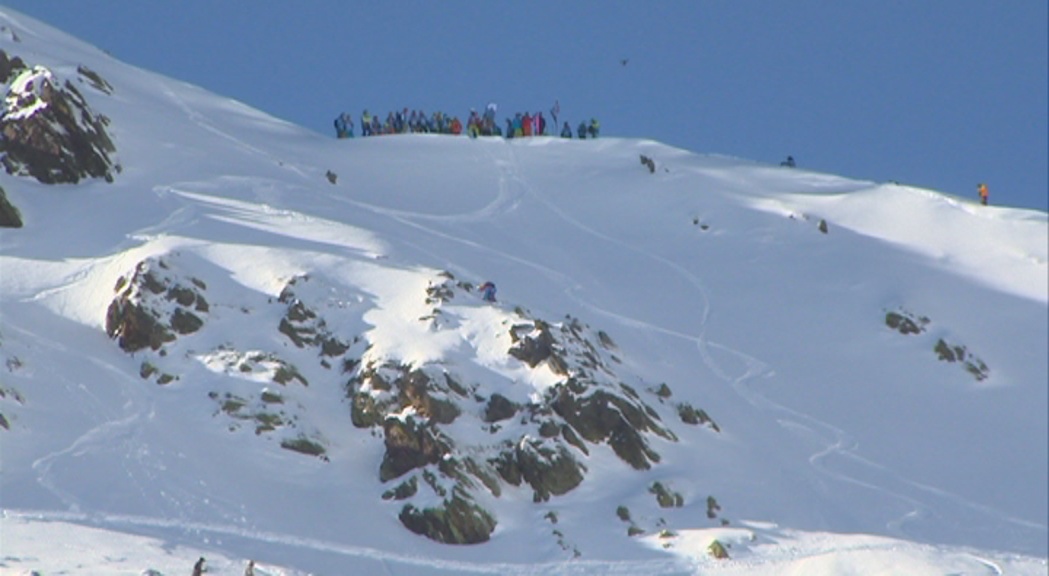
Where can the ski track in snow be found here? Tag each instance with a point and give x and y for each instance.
(199, 119)
(837, 441)
(993, 567)
(513, 189)
(209, 532)
(101, 436)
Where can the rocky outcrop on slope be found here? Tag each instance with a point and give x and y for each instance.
(908, 323)
(535, 441)
(9, 215)
(160, 309)
(154, 306)
(49, 131)
(456, 431)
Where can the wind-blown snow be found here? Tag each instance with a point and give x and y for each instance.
(845, 446)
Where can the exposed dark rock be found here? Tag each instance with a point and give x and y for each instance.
(364, 413)
(712, 507)
(152, 307)
(663, 391)
(457, 521)
(589, 406)
(499, 408)
(665, 497)
(717, 550)
(9, 66)
(648, 163)
(135, 327)
(93, 78)
(690, 415)
(417, 390)
(404, 490)
(905, 322)
(533, 344)
(603, 417)
(547, 470)
(185, 322)
(305, 327)
(49, 131)
(9, 215)
(409, 445)
(955, 353)
(305, 446)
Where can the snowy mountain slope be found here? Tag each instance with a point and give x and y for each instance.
(710, 275)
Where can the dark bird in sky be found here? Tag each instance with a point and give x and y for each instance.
(624, 61)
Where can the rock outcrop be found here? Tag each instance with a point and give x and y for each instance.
(154, 306)
(9, 215)
(455, 432)
(49, 131)
(537, 441)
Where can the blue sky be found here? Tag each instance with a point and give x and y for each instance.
(936, 93)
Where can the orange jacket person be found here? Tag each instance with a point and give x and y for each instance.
(982, 189)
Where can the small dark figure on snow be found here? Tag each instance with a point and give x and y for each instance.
(249, 570)
(581, 131)
(982, 191)
(566, 131)
(488, 292)
(198, 568)
(595, 127)
(789, 162)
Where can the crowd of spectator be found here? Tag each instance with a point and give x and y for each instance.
(522, 124)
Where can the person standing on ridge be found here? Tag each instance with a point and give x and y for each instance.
(566, 131)
(198, 568)
(340, 125)
(981, 189)
(366, 123)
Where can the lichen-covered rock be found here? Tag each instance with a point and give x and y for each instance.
(548, 469)
(49, 131)
(665, 497)
(456, 521)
